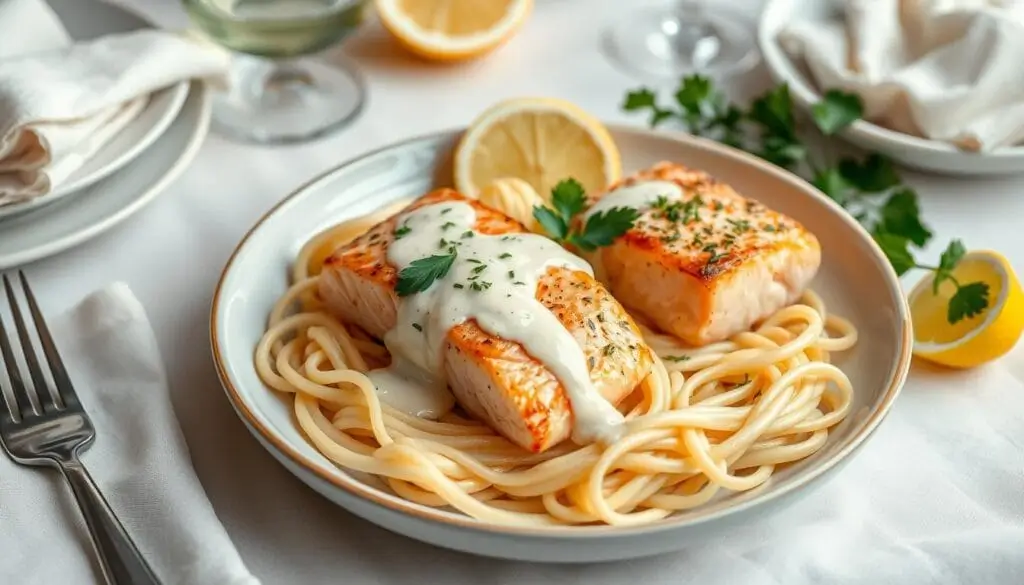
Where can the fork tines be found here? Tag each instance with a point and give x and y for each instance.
(35, 395)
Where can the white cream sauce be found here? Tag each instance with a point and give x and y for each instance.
(492, 280)
(404, 386)
(638, 196)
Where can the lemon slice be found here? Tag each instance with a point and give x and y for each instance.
(540, 141)
(975, 340)
(449, 30)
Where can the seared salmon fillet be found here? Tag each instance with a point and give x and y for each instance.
(710, 263)
(493, 379)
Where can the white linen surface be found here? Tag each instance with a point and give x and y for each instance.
(935, 497)
(60, 101)
(139, 460)
(949, 70)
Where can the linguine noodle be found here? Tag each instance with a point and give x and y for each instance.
(719, 417)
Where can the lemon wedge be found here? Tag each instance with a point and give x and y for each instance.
(452, 30)
(540, 141)
(976, 340)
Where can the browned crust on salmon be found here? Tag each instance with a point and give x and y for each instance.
(693, 255)
(617, 357)
(367, 255)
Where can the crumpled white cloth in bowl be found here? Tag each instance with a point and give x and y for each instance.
(946, 70)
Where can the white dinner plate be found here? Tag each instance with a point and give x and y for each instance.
(855, 280)
(912, 151)
(106, 203)
(87, 19)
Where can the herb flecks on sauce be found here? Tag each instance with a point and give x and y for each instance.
(491, 280)
(698, 220)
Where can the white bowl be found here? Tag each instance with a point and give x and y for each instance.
(912, 151)
(855, 280)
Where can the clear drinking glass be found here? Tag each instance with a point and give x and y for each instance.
(683, 37)
(279, 92)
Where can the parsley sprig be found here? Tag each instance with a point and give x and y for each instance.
(420, 274)
(869, 188)
(970, 299)
(568, 199)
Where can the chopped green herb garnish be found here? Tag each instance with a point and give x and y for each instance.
(417, 327)
(402, 231)
(669, 209)
(676, 358)
(691, 209)
(505, 256)
(740, 225)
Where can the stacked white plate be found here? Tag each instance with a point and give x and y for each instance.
(128, 172)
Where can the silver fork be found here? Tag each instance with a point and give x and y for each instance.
(55, 433)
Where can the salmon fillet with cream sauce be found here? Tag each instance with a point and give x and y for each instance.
(496, 380)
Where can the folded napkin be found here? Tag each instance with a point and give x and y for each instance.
(139, 460)
(61, 101)
(947, 70)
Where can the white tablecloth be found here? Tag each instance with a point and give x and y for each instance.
(172, 253)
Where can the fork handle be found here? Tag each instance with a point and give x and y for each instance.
(120, 561)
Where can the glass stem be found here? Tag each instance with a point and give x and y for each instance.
(270, 82)
(285, 73)
(695, 37)
(690, 11)
(692, 20)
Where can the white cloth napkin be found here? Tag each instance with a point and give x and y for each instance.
(139, 460)
(60, 101)
(947, 70)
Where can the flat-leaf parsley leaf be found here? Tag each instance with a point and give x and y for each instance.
(420, 274)
(901, 215)
(970, 300)
(568, 199)
(604, 227)
(836, 110)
